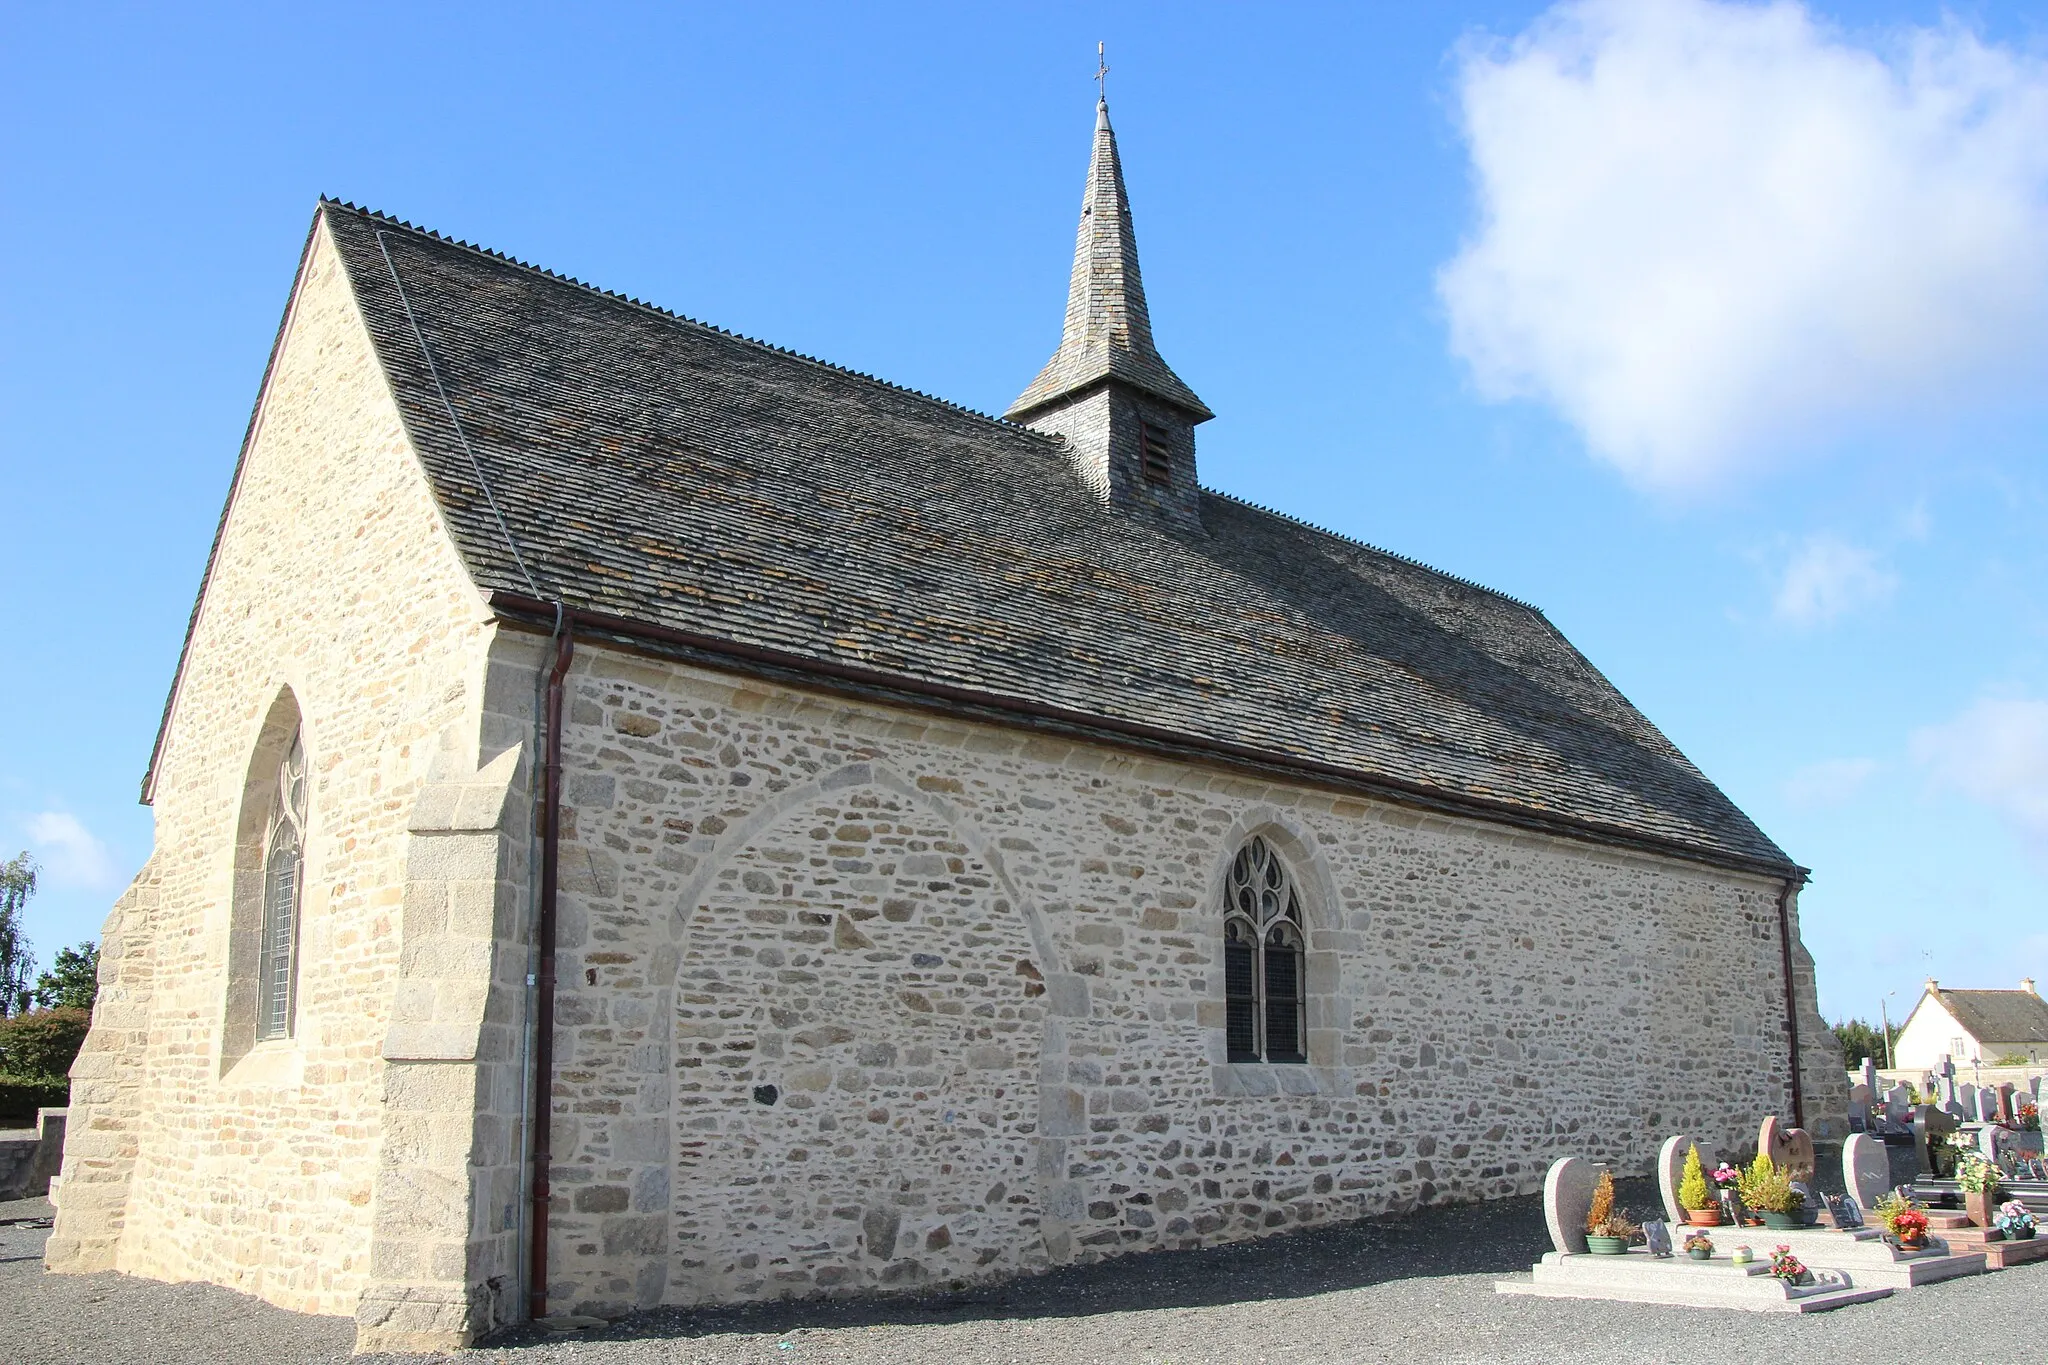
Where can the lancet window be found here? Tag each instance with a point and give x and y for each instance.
(1263, 958)
(284, 870)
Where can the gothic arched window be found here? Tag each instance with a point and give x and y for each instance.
(284, 868)
(1262, 959)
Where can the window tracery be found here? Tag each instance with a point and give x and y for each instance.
(1263, 958)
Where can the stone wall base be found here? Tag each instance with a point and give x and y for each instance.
(416, 1320)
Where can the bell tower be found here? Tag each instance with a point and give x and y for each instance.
(1127, 419)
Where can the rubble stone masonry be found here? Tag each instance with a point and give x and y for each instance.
(858, 999)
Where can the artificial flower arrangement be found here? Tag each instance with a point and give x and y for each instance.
(1726, 1177)
(1903, 1219)
(1788, 1267)
(1699, 1246)
(2029, 1118)
(2015, 1220)
(1975, 1175)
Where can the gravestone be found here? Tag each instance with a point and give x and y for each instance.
(1988, 1141)
(1866, 1169)
(1898, 1105)
(1567, 1198)
(1798, 1148)
(1966, 1101)
(1859, 1107)
(1770, 1139)
(2008, 1112)
(1929, 1126)
(1670, 1166)
(1869, 1076)
(1844, 1210)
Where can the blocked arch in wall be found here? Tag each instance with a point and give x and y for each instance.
(1326, 1009)
(909, 1230)
(240, 1010)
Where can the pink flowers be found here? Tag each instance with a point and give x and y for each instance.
(1786, 1266)
(1725, 1176)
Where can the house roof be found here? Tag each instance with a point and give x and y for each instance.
(1998, 1016)
(632, 464)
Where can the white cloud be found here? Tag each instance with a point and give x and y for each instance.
(70, 853)
(1711, 233)
(1829, 782)
(1997, 753)
(1828, 577)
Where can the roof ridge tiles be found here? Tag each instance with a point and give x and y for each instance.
(672, 315)
(1376, 549)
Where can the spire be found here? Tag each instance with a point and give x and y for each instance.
(1108, 333)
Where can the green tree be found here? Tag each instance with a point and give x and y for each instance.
(1860, 1040)
(74, 982)
(17, 960)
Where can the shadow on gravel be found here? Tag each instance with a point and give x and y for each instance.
(1497, 1237)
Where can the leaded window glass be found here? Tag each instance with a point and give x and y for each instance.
(284, 869)
(1262, 959)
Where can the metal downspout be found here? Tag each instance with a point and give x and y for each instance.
(536, 767)
(1791, 1001)
(544, 982)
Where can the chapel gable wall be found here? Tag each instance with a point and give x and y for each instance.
(215, 1155)
(865, 915)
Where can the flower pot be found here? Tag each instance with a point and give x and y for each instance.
(1780, 1220)
(2024, 1235)
(1703, 1218)
(1978, 1206)
(1700, 1254)
(1607, 1246)
(1912, 1241)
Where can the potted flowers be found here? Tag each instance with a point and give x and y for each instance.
(1608, 1232)
(1787, 1267)
(1741, 1256)
(1702, 1210)
(1978, 1180)
(2015, 1221)
(1903, 1220)
(1767, 1188)
(1699, 1246)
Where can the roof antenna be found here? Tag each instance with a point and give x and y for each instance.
(1101, 70)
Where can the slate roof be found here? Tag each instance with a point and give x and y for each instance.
(1108, 329)
(1999, 1016)
(659, 470)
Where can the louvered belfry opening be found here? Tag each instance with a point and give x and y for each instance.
(1263, 959)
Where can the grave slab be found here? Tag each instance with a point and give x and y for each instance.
(1681, 1282)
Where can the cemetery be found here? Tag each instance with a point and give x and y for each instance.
(1758, 1233)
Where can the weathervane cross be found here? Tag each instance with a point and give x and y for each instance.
(1101, 70)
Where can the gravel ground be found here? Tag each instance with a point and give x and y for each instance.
(1412, 1289)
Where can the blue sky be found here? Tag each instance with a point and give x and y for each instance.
(1718, 332)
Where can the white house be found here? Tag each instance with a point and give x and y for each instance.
(1973, 1026)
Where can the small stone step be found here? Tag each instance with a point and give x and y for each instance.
(2001, 1254)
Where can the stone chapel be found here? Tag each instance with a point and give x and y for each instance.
(644, 817)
